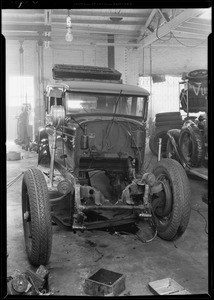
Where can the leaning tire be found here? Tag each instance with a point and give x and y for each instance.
(36, 215)
(173, 213)
(191, 145)
(170, 151)
(154, 141)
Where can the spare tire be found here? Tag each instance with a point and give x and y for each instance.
(197, 74)
(191, 144)
(154, 141)
(169, 123)
(173, 118)
(170, 113)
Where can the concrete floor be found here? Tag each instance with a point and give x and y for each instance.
(77, 256)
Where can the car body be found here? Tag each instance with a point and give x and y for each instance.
(90, 171)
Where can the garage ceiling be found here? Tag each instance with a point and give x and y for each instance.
(130, 27)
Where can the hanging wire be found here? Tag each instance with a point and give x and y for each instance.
(14, 180)
(173, 36)
(190, 46)
(156, 32)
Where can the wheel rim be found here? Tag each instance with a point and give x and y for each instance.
(187, 147)
(163, 205)
(27, 219)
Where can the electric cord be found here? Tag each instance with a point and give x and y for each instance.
(14, 180)
(76, 122)
(206, 223)
(190, 46)
(140, 238)
(156, 32)
(173, 36)
(135, 143)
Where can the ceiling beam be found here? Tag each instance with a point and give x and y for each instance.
(188, 35)
(195, 34)
(27, 37)
(22, 19)
(59, 13)
(196, 26)
(193, 30)
(148, 22)
(200, 21)
(22, 12)
(169, 26)
(101, 21)
(24, 28)
(96, 12)
(99, 44)
(97, 30)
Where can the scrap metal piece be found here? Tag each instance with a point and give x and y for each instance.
(42, 271)
(167, 286)
(36, 278)
(19, 284)
(105, 283)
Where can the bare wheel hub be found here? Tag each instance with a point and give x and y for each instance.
(164, 204)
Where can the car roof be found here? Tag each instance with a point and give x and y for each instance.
(100, 87)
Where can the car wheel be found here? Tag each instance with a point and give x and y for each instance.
(36, 216)
(191, 146)
(172, 207)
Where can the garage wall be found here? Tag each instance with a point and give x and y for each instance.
(131, 62)
(172, 60)
(87, 55)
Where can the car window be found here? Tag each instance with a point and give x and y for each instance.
(99, 103)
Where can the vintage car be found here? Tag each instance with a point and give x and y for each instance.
(90, 172)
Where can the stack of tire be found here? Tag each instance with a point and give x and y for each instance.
(164, 122)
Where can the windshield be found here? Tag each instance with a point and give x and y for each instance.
(102, 103)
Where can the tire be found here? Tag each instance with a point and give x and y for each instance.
(173, 213)
(168, 115)
(154, 141)
(197, 74)
(171, 118)
(37, 222)
(170, 123)
(191, 145)
(44, 155)
(170, 152)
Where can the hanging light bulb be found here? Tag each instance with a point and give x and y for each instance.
(69, 35)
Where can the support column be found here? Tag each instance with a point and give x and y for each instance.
(111, 62)
(39, 105)
(21, 57)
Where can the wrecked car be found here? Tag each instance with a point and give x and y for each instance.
(90, 172)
